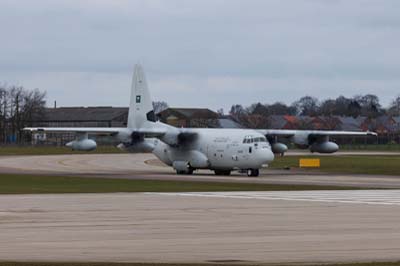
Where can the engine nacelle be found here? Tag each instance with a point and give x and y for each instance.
(198, 159)
(279, 148)
(181, 167)
(191, 160)
(139, 147)
(324, 147)
(82, 145)
(124, 135)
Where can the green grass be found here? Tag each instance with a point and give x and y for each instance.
(374, 165)
(370, 147)
(51, 150)
(31, 184)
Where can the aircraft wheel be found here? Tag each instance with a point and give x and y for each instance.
(186, 172)
(253, 172)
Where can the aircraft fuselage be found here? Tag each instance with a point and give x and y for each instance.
(218, 149)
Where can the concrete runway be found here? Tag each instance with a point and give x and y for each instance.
(146, 166)
(294, 227)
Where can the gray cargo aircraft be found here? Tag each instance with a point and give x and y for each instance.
(188, 149)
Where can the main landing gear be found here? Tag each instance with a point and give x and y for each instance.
(249, 172)
(253, 172)
(189, 171)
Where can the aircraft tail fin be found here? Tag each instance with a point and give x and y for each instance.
(141, 106)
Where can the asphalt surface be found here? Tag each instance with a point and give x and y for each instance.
(276, 227)
(248, 227)
(146, 166)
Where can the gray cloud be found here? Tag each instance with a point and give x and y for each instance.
(223, 52)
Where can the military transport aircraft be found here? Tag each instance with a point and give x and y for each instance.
(188, 149)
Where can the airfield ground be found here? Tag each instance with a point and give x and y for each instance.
(299, 222)
(39, 184)
(187, 264)
(147, 167)
(245, 227)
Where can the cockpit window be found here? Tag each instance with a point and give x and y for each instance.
(250, 139)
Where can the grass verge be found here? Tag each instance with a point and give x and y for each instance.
(370, 147)
(359, 164)
(32, 184)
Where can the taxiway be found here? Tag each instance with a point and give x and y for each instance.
(146, 166)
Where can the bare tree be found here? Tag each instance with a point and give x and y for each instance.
(3, 112)
(394, 108)
(237, 111)
(254, 121)
(370, 105)
(16, 98)
(159, 106)
(307, 105)
(279, 108)
(220, 112)
(18, 107)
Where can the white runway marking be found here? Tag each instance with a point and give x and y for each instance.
(378, 197)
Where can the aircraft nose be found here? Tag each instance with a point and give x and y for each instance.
(267, 156)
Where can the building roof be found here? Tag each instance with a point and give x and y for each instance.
(350, 123)
(190, 113)
(277, 121)
(101, 113)
(226, 122)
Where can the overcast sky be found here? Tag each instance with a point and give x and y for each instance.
(205, 53)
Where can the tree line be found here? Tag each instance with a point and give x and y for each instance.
(361, 105)
(18, 108)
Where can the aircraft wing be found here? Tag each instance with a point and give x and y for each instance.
(93, 130)
(97, 130)
(315, 140)
(315, 133)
